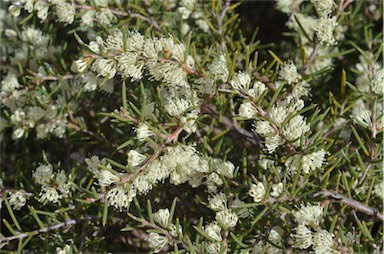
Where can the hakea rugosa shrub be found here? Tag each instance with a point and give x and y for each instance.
(157, 126)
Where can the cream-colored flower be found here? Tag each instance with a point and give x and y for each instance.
(257, 192)
(162, 217)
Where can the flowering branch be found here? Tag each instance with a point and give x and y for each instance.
(146, 223)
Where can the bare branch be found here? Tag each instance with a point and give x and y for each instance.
(351, 203)
(39, 231)
(250, 137)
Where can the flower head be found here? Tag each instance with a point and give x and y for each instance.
(288, 72)
(156, 241)
(143, 132)
(218, 202)
(227, 218)
(162, 217)
(324, 30)
(302, 237)
(219, 68)
(257, 192)
(323, 242)
(241, 82)
(18, 199)
(309, 215)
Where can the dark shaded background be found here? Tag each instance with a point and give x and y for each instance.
(262, 14)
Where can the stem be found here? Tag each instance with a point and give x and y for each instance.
(311, 58)
(250, 137)
(152, 21)
(42, 230)
(351, 203)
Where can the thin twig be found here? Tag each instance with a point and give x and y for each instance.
(311, 58)
(201, 139)
(42, 230)
(220, 20)
(39, 80)
(152, 21)
(351, 203)
(250, 137)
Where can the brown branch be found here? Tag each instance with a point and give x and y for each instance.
(35, 232)
(250, 137)
(351, 203)
(311, 58)
(152, 21)
(201, 139)
(220, 20)
(39, 80)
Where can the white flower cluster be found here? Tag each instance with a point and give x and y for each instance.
(241, 82)
(180, 163)
(370, 76)
(277, 189)
(225, 216)
(18, 199)
(130, 55)
(190, 9)
(213, 244)
(104, 176)
(121, 196)
(288, 6)
(323, 7)
(219, 68)
(320, 240)
(29, 105)
(65, 11)
(309, 215)
(278, 130)
(51, 183)
(157, 241)
(46, 120)
(162, 218)
(377, 83)
(308, 233)
(65, 250)
(378, 190)
(257, 192)
(308, 162)
(134, 158)
(182, 103)
(362, 115)
(325, 27)
(34, 47)
(289, 74)
(143, 132)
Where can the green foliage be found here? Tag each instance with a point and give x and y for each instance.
(159, 126)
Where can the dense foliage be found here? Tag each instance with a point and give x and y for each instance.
(135, 126)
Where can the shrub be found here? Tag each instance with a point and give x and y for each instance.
(160, 126)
